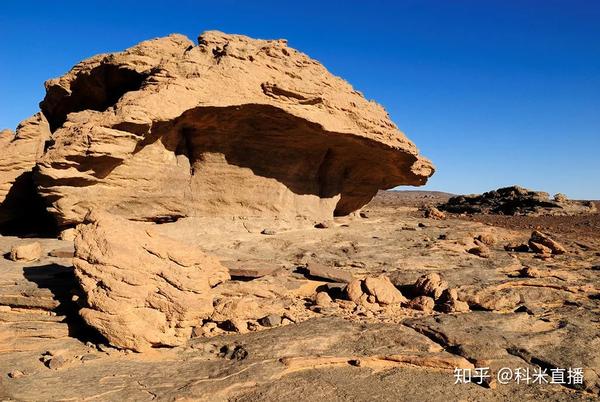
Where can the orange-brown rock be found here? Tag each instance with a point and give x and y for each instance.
(231, 126)
(546, 241)
(142, 289)
(19, 153)
(373, 290)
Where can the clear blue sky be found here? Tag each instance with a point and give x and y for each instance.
(494, 92)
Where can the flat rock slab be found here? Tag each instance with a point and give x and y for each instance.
(65, 252)
(311, 360)
(322, 271)
(251, 268)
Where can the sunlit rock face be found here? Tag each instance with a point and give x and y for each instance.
(231, 126)
(20, 206)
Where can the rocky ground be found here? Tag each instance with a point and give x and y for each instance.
(510, 309)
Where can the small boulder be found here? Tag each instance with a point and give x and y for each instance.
(371, 292)
(539, 248)
(272, 320)
(430, 285)
(56, 362)
(323, 299)
(323, 225)
(16, 374)
(530, 272)
(384, 290)
(26, 252)
(354, 291)
(450, 302)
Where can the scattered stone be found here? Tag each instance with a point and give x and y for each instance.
(56, 362)
(422, 225)
(486, 238)
(545, 240)
(16, 374)
(410, 228)
(5, 309)
(26, 252)
(481, 251)
(290, 316)
(430, 285)
(323, 225)
(530, 272)
(346, 304)
(322, 271)
(323, 299)
(102, 347)
(422, 303)
(233, 352)
(272, 320)
(434, 213)
(268, 232)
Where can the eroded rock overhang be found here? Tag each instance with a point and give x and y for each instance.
(232, 126)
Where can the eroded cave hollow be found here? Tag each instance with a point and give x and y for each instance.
(97, 89)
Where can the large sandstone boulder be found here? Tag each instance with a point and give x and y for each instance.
(141, 289)
(19, 152)
(231, 126)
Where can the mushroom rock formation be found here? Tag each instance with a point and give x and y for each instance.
(142, 289)
(18, 156)
(232, 126)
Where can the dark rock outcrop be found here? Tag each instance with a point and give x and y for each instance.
(516, 200)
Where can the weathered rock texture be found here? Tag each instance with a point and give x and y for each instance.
(516, 201)
(231, 126)
(142, 289)
(19, 153)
